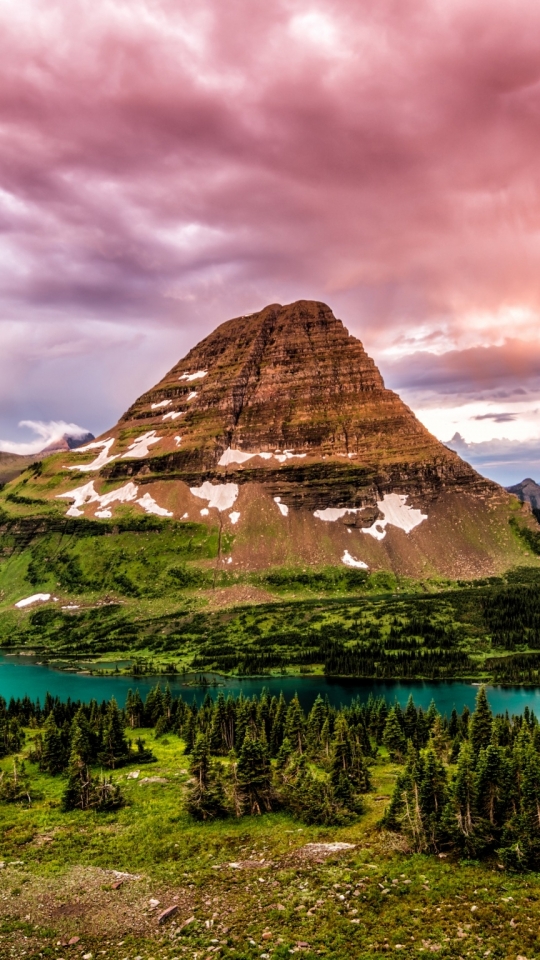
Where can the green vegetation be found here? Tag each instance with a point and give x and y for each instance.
(146, 589)
(269, 831)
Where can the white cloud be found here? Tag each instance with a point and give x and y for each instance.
(315, 27)
(482, 421)
(46, 433)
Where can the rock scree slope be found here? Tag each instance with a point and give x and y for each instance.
(279, 428)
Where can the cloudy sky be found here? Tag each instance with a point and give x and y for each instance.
(167, 165)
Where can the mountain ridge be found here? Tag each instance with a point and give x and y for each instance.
(278, 428)
(528, 491)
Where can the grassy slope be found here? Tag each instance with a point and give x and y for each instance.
(57, 884)
(144, 587)
(12, 465)
(146, 590)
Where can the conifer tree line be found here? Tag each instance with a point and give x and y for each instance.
(469, 782)
(474, 787)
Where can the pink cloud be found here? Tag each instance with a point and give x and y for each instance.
(165, 165)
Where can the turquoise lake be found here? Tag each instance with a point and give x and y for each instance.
(21, 676)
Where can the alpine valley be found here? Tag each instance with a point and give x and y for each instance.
(268, 504)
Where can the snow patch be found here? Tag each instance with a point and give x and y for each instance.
(377, 531)
(88, 494)
(173, 415)
(101, 460)
(191, 396)
(80, 496)
(162, 403)
(219, 495)
(35, 598)
(351, 562)
(178, 441)
(139, 447)
(331, 514)
(204, 512)
(149, 505)
(240, 456)
(234, 456)
(229, 559)
(193, 376)
(126, 494)
(283, 508)
(234, 517)
(397, 513)
(95, 445)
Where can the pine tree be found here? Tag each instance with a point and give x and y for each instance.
(405, 809)
(433, 795)
(480, 723)
(284, 754)
(347, 759)
(114, 749)
(15, 786)
(253, 776)
(278, 725)
(189, 730)
(409, 720)
(134, 709)
(167, 702)
(493, 784)
(263, 715)
(218, 730)
(107, 794)
(161, 727)
(530, 791)
(11, 737)
(314, 726)
(431, 714)
(53, 754)
(153, 705)
(393, 737)
(141, 754)
(206, 797)
(438, 739)
(454, 725)
(241, 722)
(78, 793)
(462, 823)
(326, 738)
(81, 737)
(295, 724)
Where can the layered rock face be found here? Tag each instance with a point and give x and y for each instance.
(291, 387)
(277, 430)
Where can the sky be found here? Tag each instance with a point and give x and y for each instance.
(165, 166)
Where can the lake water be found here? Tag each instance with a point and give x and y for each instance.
(20, 676)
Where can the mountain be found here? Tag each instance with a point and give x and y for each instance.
(13, 464)
(527, 491)
(277, 431)
(66, 442)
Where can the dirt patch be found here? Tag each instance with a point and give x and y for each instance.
(70, 910)
(320, 851)
(236, 595)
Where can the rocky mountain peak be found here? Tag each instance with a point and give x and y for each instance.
(277, 430)
(288, 378)
(528, 491)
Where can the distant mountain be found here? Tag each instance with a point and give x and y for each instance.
(277, 432)
(13, 464)
(66, 442)
(528, 492)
